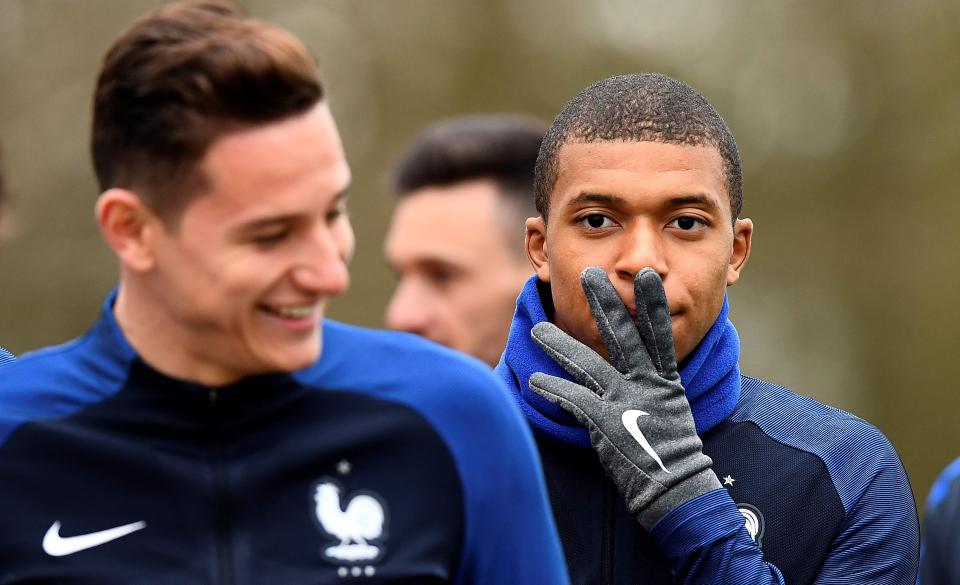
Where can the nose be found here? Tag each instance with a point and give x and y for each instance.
(407, 310)
(322, 267)
(642, 246)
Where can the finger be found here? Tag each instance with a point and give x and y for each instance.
(653, 321)
(584, 364)
(572, 397)
(617, 329)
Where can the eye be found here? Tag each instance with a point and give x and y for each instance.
(440, 277)
(267, 239)
(596, 221)
(687, 223)
(337, 212)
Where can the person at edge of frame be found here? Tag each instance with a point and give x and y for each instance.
(5, 356)
(212, 426)
(622, 342)
(939, 563)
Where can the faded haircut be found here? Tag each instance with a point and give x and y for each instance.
(645, 107)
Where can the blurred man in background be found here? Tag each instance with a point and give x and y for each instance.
(212, 426)
(622, 342)
(5, 356)
(456, 238)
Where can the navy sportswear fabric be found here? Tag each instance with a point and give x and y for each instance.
(811, 494)
(391, 460)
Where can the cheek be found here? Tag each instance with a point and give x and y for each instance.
(572, 313)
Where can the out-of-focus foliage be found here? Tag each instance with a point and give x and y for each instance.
(846, 113)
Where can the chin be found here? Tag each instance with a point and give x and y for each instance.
(293, 358)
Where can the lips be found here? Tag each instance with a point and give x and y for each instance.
(292, 311)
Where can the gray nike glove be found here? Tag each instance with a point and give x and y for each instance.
(636, 409)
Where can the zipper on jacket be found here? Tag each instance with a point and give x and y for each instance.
(221, 513)
(606, 536)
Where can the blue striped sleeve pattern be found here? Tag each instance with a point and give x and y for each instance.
(878, 542)
(705, 537)
(5, 356)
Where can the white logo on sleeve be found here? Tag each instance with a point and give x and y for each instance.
(753, 522)
(60, 546)
(629, 419)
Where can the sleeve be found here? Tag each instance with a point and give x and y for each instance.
(510, 533)
(879, 541)
(877, 544)
(706, 542)
(941, 531)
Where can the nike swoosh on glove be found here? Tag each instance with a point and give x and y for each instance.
(635, 409)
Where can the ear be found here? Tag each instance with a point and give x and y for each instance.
(535, 242)
(742, 238)
(128, 225)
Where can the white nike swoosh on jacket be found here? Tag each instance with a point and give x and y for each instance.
(59, 546)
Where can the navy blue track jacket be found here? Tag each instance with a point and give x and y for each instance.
(811, 494)
(390, 461)
(820, 492)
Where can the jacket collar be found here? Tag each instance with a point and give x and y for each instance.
(710, 375)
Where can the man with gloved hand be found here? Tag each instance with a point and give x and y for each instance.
(622, 342)
(656, 474)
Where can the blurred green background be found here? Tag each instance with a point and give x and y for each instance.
(846, 114)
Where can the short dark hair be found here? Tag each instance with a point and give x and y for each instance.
(180, 78)
(500, 147)
(645, 107)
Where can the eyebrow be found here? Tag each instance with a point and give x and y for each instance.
(596, 198)
(693, 199)
(678, 201)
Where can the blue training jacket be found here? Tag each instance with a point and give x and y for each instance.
(389, 461)
(812, 494)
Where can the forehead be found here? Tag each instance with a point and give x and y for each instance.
(460, 222)
(297, 162)
(639, 168)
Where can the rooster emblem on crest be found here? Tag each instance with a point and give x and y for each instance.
(356, 523)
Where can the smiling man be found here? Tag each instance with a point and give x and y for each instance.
(622, 342)
(212, 426)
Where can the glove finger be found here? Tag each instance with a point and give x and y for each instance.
(570, 396)
(653, 321)
(616, 326)
(581, 362)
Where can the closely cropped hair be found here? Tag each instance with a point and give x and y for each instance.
(180, 78)
(501, 147)
(647, 107)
